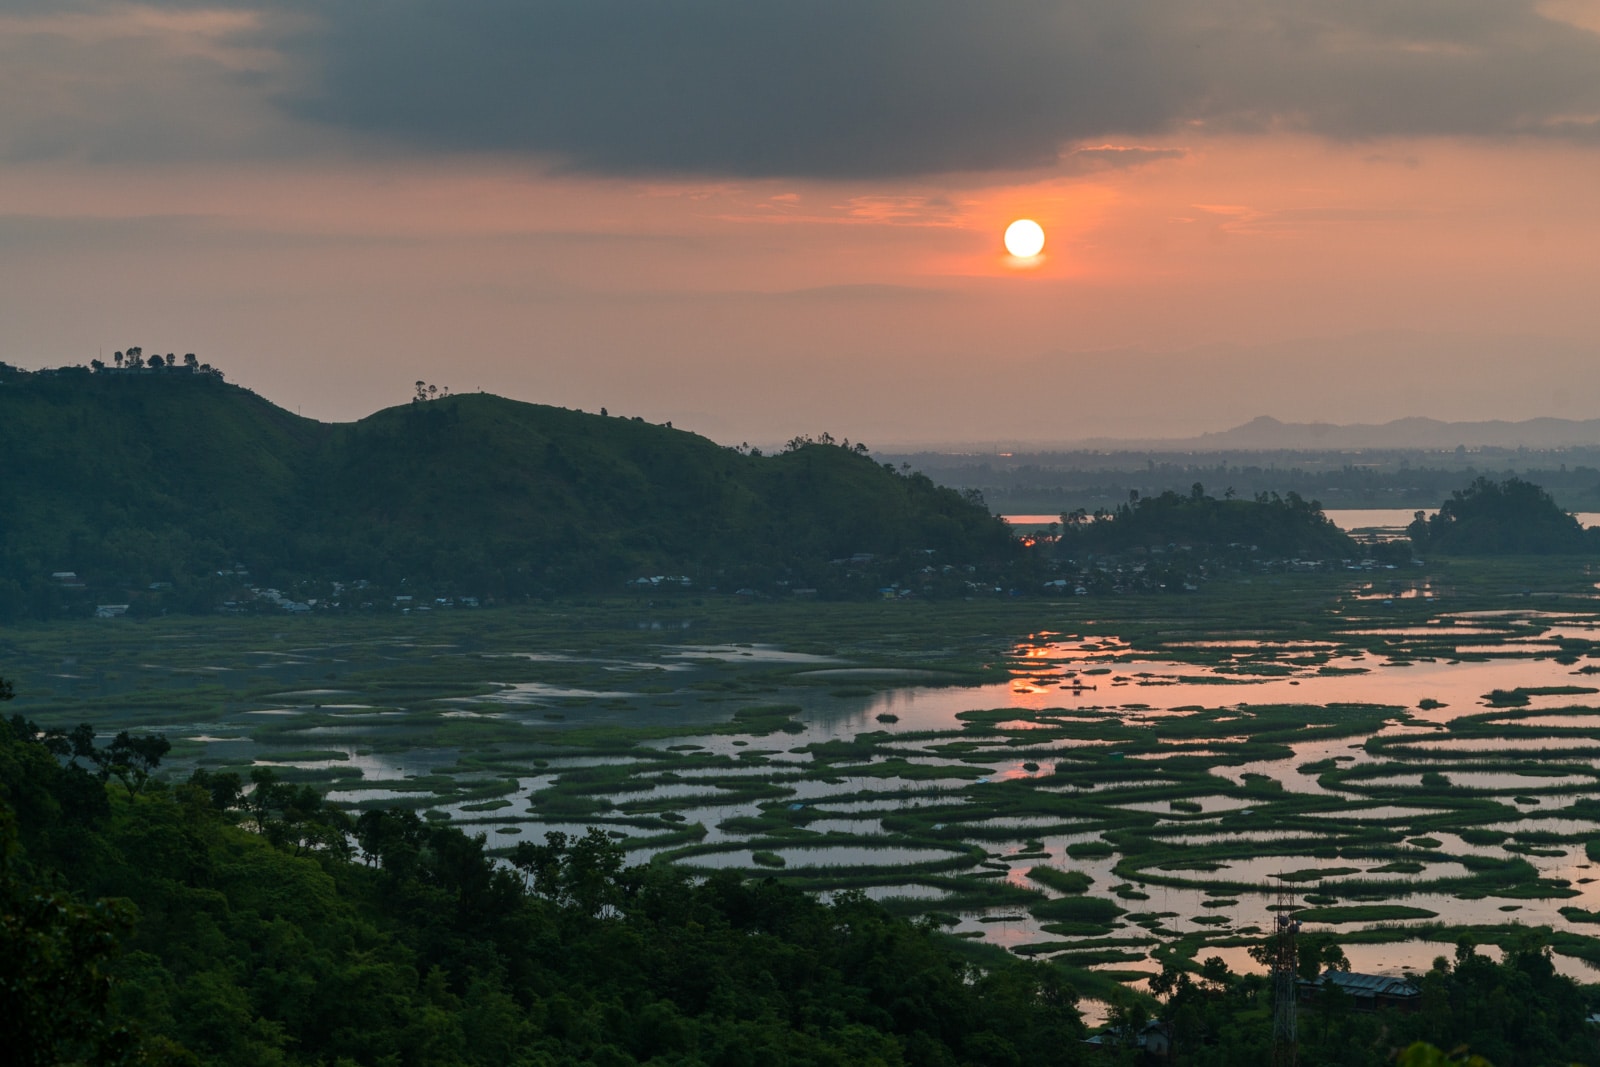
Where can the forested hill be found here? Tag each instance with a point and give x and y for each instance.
(1278, 526)
(165, 476)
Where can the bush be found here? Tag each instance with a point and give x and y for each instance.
(1061, 881)
(1096, 910)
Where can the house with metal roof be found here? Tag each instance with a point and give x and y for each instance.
(1368, 992)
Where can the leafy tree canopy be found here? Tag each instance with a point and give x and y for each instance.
(1500, 518)
(1288, 526)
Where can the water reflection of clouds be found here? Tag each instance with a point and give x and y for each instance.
(1477, 746)
(1166, 687)
(745, 653)
(823, 856)
(1483, 781)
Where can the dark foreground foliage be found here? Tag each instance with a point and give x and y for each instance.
(216, 945)
(1514, 1013)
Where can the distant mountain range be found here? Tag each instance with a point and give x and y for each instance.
(1269, 434)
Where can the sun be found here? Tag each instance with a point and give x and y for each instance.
(1024, 238)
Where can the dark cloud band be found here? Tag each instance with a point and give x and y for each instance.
(828, 88)
(813, 88)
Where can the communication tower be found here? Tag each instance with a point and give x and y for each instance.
(1285, 978)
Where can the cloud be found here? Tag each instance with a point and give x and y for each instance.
(1366, 69)
(42, 233)
(1114, 156)
(863, 292)
(833, 89)
(119, 82)
(880, 88)
(824, 88)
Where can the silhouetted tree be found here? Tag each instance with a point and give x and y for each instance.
(1486, 517)
(225, 788)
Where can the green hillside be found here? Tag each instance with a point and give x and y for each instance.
(137, 479)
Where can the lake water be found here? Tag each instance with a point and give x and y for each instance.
(1347, 519)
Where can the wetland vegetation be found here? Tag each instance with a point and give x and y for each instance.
(1112, 793)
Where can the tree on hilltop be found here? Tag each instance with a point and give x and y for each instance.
(1499, 518)
(1289, 525)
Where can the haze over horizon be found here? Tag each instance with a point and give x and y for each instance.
(759, 221)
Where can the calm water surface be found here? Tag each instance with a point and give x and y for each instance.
(1346, 519)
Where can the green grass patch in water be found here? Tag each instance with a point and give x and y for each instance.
(1364, 913)
(1061, 881)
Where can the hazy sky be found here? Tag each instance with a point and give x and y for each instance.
(758, 218)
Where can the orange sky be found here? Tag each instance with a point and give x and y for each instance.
(1219, 274)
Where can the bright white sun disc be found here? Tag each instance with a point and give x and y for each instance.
(1024, 238)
